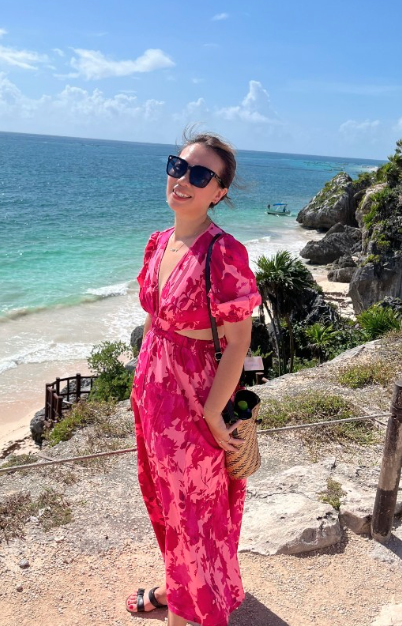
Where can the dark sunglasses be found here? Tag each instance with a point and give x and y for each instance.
(200, 176)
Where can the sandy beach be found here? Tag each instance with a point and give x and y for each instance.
(31, 378)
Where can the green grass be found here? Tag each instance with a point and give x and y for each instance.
(51, 509)
(314, 406)
(19, 459)
(358, 375)
(333, 494)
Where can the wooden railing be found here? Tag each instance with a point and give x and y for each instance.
(57, 399)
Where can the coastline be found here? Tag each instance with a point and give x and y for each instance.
(15, 434)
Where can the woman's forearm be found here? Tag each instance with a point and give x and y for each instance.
(225, 381)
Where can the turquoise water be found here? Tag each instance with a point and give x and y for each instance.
(75, 214)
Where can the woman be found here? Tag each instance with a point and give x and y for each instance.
(179, 392)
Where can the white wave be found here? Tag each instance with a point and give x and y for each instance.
(46, 352)
(120, 289)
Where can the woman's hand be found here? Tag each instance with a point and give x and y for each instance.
(222, 433)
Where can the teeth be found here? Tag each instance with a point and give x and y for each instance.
(181, 195)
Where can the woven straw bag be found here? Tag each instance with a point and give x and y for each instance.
(246, 460)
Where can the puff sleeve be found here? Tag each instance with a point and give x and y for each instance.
(148, 253)
(233, 292)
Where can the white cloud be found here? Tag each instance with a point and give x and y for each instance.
(93, 65)
(398, 126)
(220, 16)
(351, 129)
(193, 112)
(2, 32)
(24, 59)
(59, 52)
(255, 107)
(197, 81)
(74, 105)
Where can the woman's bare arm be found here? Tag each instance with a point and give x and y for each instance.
(238, 336)
(147, 325)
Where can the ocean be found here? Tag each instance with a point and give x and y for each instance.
(75, 215)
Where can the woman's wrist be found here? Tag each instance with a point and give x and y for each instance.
(212, 416)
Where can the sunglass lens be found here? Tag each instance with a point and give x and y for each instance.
(176, 167)
(200, 176)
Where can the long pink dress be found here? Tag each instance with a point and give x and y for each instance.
(194, 507)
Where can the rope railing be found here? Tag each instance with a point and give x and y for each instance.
(40, 465)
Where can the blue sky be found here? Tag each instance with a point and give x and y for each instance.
(286, 76)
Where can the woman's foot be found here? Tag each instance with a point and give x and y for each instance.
(144, 600)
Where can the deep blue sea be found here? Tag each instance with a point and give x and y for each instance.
(75, 215)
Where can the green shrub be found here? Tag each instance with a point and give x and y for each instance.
(82, 414)
(114, 380)
(378, 320)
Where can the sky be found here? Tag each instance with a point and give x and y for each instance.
(311, 77)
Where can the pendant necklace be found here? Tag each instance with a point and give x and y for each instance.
(176, 249)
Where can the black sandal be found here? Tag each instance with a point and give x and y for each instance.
(141, 604)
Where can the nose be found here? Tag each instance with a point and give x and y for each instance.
(186, 176)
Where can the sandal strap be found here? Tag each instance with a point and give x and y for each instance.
(140, 600)
(154, 601)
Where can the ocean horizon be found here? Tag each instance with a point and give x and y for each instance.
(75, 215)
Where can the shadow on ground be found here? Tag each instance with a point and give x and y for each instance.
(253, 612)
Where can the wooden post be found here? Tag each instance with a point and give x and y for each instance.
(388, 483)
(59, 406)
(77, 387)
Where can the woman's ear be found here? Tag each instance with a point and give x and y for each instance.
(220, 194)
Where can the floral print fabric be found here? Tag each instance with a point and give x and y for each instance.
(194, 507)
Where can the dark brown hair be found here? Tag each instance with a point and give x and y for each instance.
(222, 148)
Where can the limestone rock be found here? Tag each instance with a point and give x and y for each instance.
(391, 615)
(288, 524)
(334, 203)
(337, 242)
(342, 269)
(136, 337)
(370, 283)
(364, 208)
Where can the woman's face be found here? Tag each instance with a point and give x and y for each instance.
(188, 200)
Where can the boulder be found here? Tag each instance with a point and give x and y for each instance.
(334, 203)
(337, 242)
(37, 426)
(372, 283)
(288, 524)
(136, 337)
(342, 269)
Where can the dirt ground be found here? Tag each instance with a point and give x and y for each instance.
(343, 586)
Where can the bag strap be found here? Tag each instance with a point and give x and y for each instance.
(215, 336)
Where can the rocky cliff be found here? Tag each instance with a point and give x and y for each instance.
(372, 250)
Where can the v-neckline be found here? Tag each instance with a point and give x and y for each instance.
(179, 262)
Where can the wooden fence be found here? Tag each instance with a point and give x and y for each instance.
(57, 399)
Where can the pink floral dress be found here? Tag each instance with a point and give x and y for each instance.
(194, 507)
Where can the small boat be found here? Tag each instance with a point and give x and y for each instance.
(279, 208)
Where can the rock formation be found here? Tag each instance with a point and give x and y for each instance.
(334, 203)
(339, 240)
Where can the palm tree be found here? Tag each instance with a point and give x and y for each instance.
(320, 337)
(281, 280)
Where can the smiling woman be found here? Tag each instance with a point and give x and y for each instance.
(179, 392)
